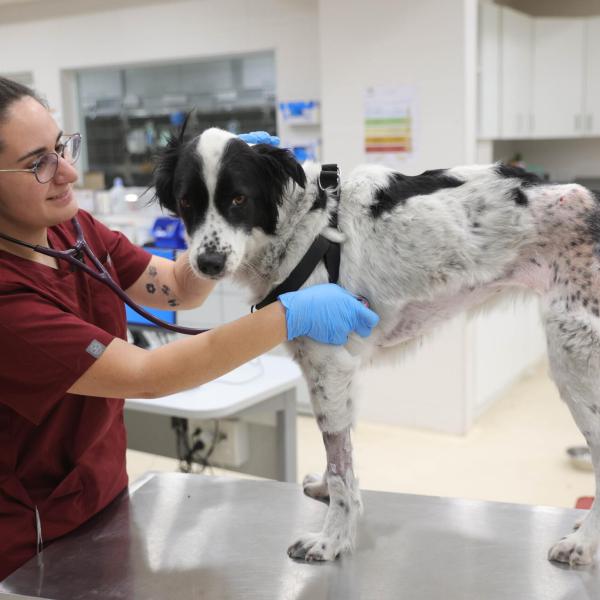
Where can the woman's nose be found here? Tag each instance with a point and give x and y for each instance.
(65, 171)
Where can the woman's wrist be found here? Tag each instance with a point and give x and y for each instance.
(192, 289)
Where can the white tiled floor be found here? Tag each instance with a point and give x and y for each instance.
(515, 453)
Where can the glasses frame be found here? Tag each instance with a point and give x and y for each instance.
(63, 141)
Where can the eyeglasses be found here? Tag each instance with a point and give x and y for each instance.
(44, 168)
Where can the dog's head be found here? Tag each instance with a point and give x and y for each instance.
(224, 191)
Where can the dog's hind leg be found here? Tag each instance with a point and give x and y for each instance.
(329, 373)
(574, 353)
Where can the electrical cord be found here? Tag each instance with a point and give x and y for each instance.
(190, 455)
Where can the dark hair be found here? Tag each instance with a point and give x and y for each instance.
(11, 91)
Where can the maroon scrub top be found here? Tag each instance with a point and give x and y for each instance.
(62, 454)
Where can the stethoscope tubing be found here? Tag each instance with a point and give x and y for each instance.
(74, 257)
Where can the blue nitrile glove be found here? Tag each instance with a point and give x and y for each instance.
(259, 137)
(326, 313)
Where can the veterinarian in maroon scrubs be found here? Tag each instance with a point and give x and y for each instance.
(64, 364)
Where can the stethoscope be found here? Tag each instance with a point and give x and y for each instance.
(74, 256)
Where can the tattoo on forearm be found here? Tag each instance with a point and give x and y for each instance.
(153, 286)
(171, 300)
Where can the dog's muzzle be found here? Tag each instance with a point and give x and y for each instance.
(211, 263)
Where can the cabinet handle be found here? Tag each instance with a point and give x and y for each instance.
(531, 123)
(577, 122)
(589, 122)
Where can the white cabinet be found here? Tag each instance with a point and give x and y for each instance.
(539, 77)
(515, 74)
(558, 77)
(487, 71)
(591, 119)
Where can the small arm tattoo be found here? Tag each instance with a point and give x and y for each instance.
(153, 286)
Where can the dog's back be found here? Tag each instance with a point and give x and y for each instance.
(422, 248)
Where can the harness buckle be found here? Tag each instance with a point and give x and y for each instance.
(329, 170)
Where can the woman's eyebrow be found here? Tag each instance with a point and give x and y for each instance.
(39, 150)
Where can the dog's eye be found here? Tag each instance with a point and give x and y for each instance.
(238, 200)
(184, 203)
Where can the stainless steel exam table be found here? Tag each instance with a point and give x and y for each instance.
(190, 536)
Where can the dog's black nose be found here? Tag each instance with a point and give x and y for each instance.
(211, 263)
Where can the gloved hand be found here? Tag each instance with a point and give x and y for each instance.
(326, 313)
(259, 137)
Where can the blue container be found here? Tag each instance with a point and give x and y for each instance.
(168, 232)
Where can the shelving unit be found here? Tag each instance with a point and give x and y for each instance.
(128, 114)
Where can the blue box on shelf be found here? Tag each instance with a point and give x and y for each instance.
(168, 232)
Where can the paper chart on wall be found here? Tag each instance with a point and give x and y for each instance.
(390, 124)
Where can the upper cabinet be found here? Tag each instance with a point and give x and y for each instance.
(538, 77)
(515, 73)
(488, 84)
(591, 105)
(558, 76)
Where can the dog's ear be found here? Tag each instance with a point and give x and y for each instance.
(164, 174)
(164, 169)
(281, 164)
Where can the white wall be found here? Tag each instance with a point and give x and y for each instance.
(172, 31)
(422, 44)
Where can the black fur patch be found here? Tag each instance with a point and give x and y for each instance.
(260, 173)
(320, 201)
(402, 187)
(519, 197)
(592, 221)
(190, 191)
(510, 172)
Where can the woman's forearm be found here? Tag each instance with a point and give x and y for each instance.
(126, 371)
(193, 361)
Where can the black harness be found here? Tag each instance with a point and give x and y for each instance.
(320, 249)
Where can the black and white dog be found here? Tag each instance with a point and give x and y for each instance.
(420, 248)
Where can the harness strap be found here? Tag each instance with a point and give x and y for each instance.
(320, 249)
(316, 252)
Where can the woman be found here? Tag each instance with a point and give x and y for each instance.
(64, 361)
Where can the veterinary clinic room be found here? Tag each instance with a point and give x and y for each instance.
(299, 299)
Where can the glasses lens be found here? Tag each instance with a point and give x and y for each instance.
(46, 167)
(72, 148)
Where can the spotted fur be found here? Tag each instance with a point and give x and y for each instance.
(420, 249)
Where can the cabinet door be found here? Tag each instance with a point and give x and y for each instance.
(592, 87)
(558, 67)
(515, 56)
(489, 71)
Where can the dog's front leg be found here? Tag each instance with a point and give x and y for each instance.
(339, 530)
(329, 373)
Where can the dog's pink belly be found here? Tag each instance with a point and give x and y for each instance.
(418, 318)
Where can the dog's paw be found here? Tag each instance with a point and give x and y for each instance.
(317, 547)
(315, 486)
(573, 550)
